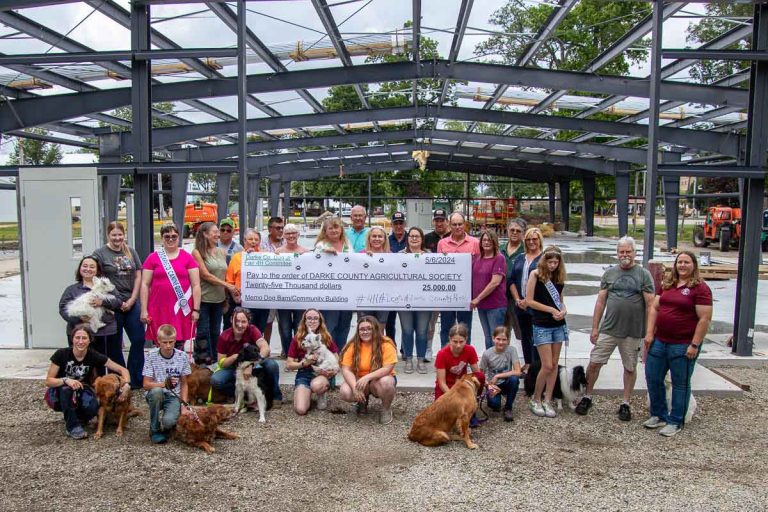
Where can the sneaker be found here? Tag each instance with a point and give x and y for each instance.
(536, 408)
(408, 365)
(508, 415)
(583, 406)
(322, 402)
(624, 413)
(428, 355)
(421, 367)
(159, 437)
(654, 422)
(669, 430)
(386, 416)
(77, 433)
(361, 408)
(548, 410)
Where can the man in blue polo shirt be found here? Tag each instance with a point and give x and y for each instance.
(357, 232)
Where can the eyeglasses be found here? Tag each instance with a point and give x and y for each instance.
(461, 225)
(225, 230)
(170, 237)
(312, 318)
(414, 236)
(515, 230)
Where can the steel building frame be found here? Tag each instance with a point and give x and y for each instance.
(222, 146)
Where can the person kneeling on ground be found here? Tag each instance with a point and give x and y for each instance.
(307, 380)
(368, 367)
(501, 365)
(165, 380)
(452, 362)
(231, 342)
(69, 378)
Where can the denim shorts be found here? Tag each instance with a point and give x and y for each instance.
(546, 335)
(304, 377)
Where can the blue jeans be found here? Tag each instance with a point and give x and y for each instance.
(209, 325)
(158, 400)
(414, 324)
(525, 321)
(259, 318)
(449, 318)
(381, 316)
(287, 323)
(224, 378)
(548, 335)
(131, 323)
(509, 389)
(110, 346)
(338, 324)
(663, 357)
(392, 324)
(79, 412)
(491, 319)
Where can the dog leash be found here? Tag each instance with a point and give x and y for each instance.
(480, 401)
(185, 404)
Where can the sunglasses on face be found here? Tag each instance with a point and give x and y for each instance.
(170, 237)
(515, 230)
(225, 230)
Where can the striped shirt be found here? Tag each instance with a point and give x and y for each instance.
(158, 367)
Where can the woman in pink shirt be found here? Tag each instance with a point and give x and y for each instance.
(489, 284)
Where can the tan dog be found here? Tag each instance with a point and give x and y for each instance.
(201, 428)
(453, 410)
(108, 391)
(199, 386)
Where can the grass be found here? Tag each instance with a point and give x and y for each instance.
(638, 232)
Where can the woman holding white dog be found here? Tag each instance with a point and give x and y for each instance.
(122, 266)
(104, 341)
(544, 295)
(307, 380)
(368, 367)
(677, 324)
(170, 287)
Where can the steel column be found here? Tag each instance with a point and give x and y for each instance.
(109, 152)
(223, 179)
(622, 202)
(179, 183)
(565, 203)
(551, 186)
(274, 197)
(141, 126)
(254, 202)
(242, 117)
(750, 254)
(588, 183)
(653, 133)
(671, 208)
(286, 200)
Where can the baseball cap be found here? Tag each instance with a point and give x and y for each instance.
(398, 217)
(227, 222)
(439, 214)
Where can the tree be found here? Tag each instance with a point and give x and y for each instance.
(35, 152)
(721, 17)
(589, 29)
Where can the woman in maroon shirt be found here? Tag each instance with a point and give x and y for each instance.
(677, 324)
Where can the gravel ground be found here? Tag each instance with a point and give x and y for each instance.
(345, 462)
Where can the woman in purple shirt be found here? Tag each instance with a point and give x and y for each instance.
(489, 283)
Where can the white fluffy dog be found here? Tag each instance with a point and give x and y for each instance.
(82, 306)
(313, 346)
(692, 406)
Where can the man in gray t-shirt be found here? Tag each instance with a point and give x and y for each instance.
(626, 295)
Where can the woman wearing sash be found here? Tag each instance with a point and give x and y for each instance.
(170, 288)
(544, 296)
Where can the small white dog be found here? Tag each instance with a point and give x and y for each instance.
(256, 389)
(313, 346)
(692, 405)
(82, 306)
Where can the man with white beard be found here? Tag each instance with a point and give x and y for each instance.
(626, 297)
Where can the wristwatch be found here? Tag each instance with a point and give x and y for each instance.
(695, 346)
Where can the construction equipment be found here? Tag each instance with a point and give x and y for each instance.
(722, 226)
(494, 212)
(195, 214)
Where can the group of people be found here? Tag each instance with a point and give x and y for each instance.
(517, 287)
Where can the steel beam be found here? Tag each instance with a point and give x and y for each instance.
(242, 119)
(552, 200)
(671, 186)
(750, 254)
(588, 184)
(274, 197)
(699, 54)
(416, 27)
(223, 181)
(712, 171)
(35, 111)
(286, 199)
(179, 182)
(458, 36)
(622, 202)
(565, 203)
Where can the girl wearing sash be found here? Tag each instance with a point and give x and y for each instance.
(170, 288)
(544, 295)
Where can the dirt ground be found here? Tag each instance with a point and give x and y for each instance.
(344, 462)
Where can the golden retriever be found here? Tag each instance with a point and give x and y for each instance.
(108, 391)
(199, 386)
(201, 428)
(453, 410)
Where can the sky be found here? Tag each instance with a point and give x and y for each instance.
(277, 22)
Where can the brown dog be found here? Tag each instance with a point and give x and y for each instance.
(108, 391)
(199, 386)
(201, 428)
(433, 425)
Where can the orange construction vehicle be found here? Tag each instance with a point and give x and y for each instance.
(722, 226)
(494, 212)
(195, 214)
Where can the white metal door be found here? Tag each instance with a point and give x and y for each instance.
(59, 225)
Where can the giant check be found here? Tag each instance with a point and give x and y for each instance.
(357, 281)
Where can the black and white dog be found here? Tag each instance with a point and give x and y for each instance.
(570, 386)
(258, 387)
